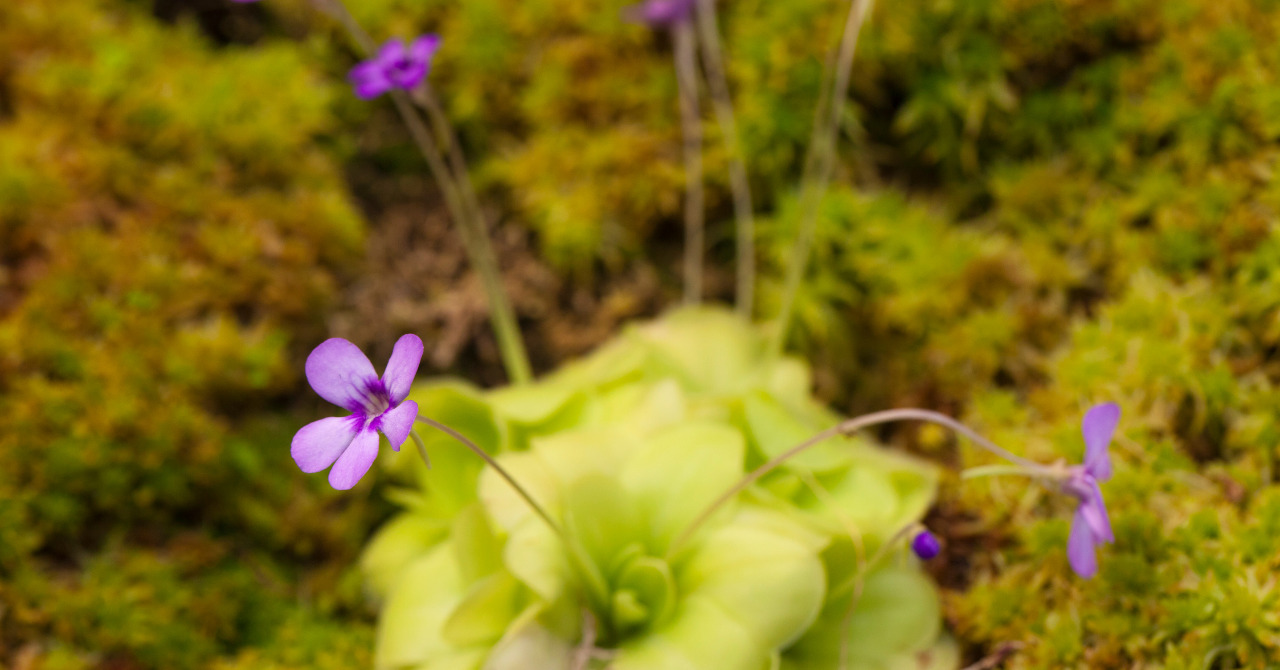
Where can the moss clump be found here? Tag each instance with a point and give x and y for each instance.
(167, 223)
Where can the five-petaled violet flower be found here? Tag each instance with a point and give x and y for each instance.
(661, 13)
(340, 373)
(394, 66)
(1091, 526)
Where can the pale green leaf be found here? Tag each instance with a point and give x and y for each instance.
(678, 472)
(744, 564)
(397, 544)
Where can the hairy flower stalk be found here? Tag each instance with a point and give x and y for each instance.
(459, 198)
(819, 163)
(848, 427)
(676, 16)
(502, 472)
(691, 130)
(504, 320)
(722, 103)
(594, 581)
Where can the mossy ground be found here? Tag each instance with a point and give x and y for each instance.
(1040, 205)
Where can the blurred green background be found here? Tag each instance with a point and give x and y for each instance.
(1039, 205)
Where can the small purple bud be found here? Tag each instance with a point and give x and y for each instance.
(925, 545)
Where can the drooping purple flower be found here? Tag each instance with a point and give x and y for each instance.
(925, 545)
(394, 66)
(1091, 525)
(660, 13)
(341, 373)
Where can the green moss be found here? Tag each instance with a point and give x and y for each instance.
(172, 223)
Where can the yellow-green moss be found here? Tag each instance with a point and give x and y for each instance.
(1042, 205)
(168, 222)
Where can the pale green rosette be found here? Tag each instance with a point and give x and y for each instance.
(625, 449)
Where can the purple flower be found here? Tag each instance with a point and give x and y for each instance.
(394, 66)
(343, 375)
(660, 13)
(925, 545)
(1091, 525)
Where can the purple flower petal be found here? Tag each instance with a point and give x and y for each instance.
(390, 52)
(355, 461)
(397, 422)
(1095, 514)
(407, 74)
(1080, 547)
(424, 48)
(318, 444)
(368, 80)
(411, 68)
(1098, 426)
(341, 373)
(402, 367)
(660, 13)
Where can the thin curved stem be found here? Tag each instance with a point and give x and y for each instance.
(595, 582)
(422, 448)
(818, 166)
(353, 27)
(722, 103)
(996, 471)
(502, 472)
(846, 623)
(691, 131)
(851, 426)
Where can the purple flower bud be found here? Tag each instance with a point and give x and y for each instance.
(925, 545)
